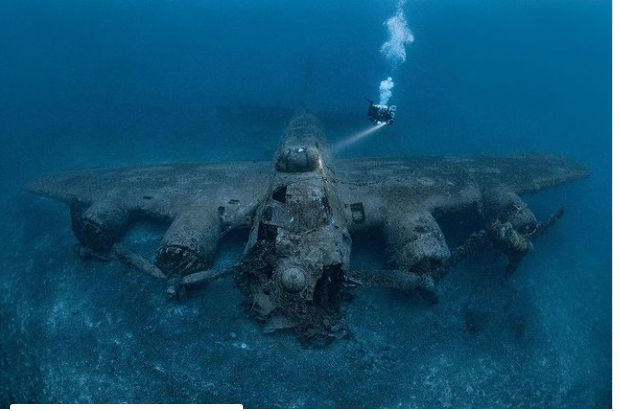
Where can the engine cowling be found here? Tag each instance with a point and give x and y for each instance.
(190, 242)
(415, 242)
(507, 207)
(100, 225)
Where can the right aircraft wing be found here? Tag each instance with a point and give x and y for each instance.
(443, 184)
(401, 197)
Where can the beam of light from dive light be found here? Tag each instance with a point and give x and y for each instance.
(341, 145)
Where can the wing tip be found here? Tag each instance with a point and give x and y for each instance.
(47, 187)
(36, 186)
(578, 171)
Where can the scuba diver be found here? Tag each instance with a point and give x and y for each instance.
(380, 114)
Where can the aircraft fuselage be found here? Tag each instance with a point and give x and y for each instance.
(299, 247)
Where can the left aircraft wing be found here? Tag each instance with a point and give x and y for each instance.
(200, 201)
(165, 191)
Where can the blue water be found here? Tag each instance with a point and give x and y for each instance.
(116, 83)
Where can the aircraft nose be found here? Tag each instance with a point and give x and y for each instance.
(293, 279)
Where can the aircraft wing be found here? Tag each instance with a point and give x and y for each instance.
(165, 191)
(444, 184)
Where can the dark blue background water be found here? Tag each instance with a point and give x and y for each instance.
(110, 83)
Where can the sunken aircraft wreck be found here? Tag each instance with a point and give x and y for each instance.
(301, 210)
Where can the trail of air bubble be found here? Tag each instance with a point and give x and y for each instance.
(394, 48)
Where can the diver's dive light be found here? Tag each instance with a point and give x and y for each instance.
(381, 114)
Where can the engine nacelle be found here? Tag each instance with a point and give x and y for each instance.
(415, 242)
(507, 207)
(101, 225)
(190, 243)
